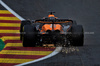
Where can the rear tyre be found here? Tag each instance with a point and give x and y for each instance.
(29, 38)
(25, 22)
(77, 37)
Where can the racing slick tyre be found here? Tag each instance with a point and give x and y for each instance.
(29, 37)
(77, 35)
(24, 22)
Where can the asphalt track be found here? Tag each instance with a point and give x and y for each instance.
(85, 12)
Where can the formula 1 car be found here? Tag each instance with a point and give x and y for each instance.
(51, 30)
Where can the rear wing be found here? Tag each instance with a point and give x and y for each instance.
(55, 21)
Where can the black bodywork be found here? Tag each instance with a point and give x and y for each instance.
(31, 36)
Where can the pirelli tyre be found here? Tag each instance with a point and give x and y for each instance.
(24, 22)
(29, 37)
(77, 37)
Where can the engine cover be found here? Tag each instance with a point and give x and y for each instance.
(51, 27)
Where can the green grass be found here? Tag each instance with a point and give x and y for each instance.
(2, 44)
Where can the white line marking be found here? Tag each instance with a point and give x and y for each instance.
(9, 9)
(56, 51)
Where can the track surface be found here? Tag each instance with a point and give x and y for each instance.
(85, 12)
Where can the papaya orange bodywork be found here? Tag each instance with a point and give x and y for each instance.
(49, 27)
(51, 15)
